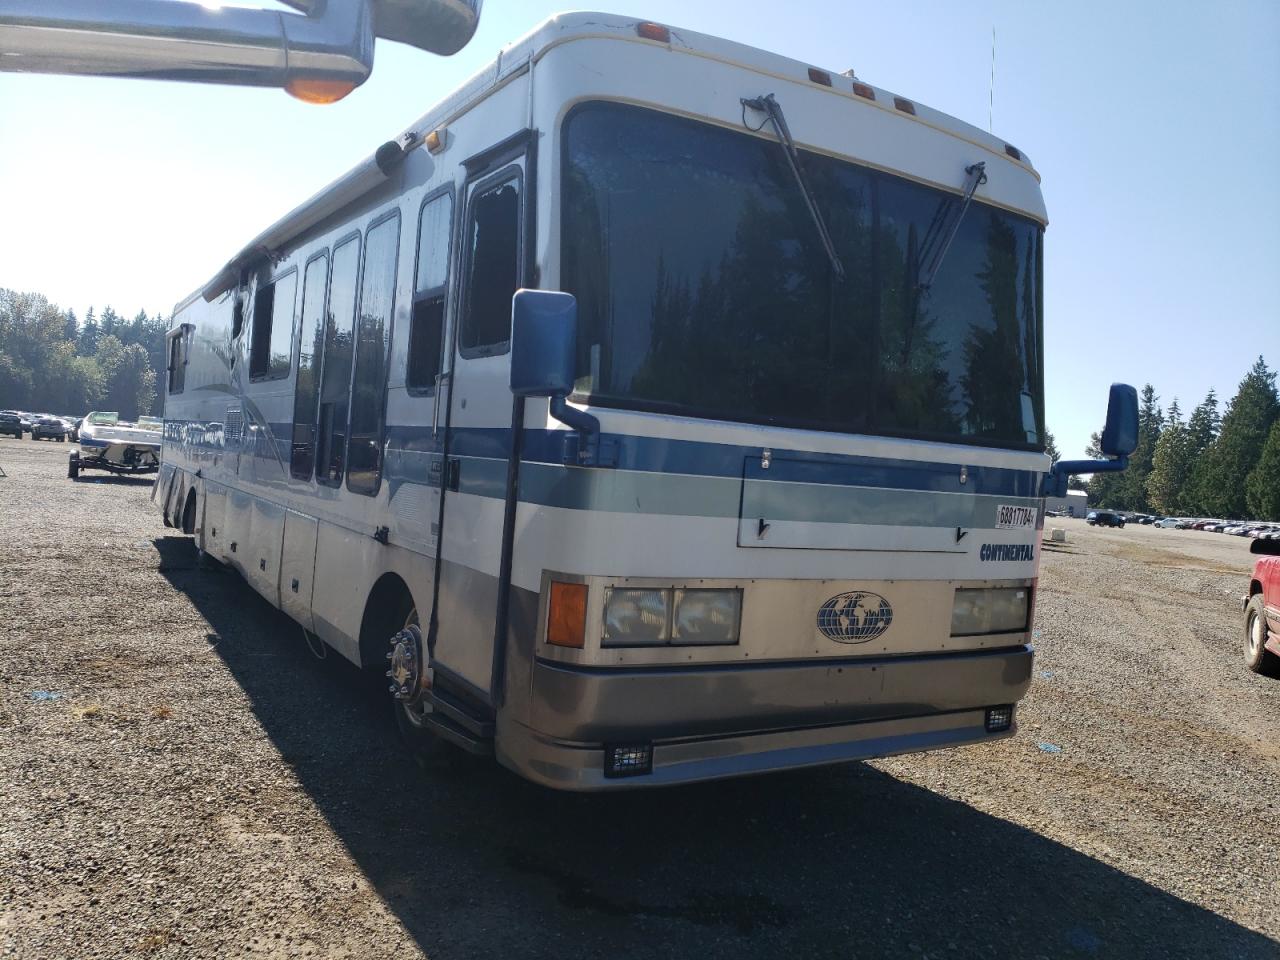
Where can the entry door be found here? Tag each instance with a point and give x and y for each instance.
(494, 240)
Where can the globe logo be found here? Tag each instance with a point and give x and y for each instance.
(855, 617)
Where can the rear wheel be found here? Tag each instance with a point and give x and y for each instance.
(1256, 655)
(73, 466)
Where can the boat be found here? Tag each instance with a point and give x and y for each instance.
(117, 446)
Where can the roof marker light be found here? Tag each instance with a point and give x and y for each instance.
(653, 31)
(435, 140)
(905, 105)
(862, 90)
(820, 76)
(1013, 151)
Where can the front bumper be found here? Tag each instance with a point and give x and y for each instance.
(710, 722)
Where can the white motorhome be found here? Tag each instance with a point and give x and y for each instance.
(781, 507)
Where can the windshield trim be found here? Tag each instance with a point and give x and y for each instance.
(788, 423)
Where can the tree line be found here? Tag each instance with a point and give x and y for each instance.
(1224, 465)
(51, 361)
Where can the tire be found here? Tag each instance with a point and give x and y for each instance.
(429, 751)
(1256, 656)
(189, 515)
(73, 466)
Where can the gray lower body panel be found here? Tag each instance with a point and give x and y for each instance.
(711, 722)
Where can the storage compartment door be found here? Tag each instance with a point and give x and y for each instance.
(298, 567)
(266, 535)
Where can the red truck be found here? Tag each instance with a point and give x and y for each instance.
(1262, 610)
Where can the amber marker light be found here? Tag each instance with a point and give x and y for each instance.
(905, 105)
(567, 615)
(435, 140)
(319, 91)
(862, 90)
(653, 31)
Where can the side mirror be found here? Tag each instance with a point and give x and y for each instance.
(544, 336)
(1120, 435)
(320, 54)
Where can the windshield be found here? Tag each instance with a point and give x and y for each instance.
(703, 288)
(104, 419)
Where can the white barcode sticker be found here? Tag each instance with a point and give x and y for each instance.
(1015, 518)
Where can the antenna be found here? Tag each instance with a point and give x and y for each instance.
(991, 90)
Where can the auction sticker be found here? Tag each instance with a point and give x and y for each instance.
(1015, 518)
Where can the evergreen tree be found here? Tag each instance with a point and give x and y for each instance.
(1205, 422)
(1171, 465)
(109, 323)
(71, 327)
(1131, 486)
(88, 342)
(1105, 489)
(1230, 458)
(1262, 488)
(1051, 447)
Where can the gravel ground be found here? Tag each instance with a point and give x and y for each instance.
(179, 777)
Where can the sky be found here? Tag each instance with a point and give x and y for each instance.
(1154, 125)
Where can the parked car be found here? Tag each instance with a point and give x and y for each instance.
(1104, 518)
(11, 424)
(1171, 523)
(1262, 610)
(44, 427)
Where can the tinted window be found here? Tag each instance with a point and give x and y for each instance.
(310, 352)
(177, 362)
(426, 332)
(368, 386)
(269, 350)
(335, 377)
(703, 288)
(493, 270)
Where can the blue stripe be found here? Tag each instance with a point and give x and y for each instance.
(705, 459)
(700, 458)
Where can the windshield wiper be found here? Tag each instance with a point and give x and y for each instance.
(975, 176)
(769, 106)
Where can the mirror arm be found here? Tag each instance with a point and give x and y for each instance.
(584, 447)
(1055, 481)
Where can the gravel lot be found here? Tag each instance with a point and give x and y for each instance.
(179, 777)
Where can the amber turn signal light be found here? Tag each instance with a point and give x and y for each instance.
(567, 615)
(319, 91)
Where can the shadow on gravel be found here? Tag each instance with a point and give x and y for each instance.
(845, 862)
(112, 479)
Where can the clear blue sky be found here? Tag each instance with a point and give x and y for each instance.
(1155, 127)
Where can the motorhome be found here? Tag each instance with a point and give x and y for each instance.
(653, 409)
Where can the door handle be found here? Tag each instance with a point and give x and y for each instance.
(441, 379)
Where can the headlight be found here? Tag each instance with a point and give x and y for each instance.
(707, 616)
(636, 618)
(686, 617)
(989, 610)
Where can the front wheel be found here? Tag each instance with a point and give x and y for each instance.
(1256, 655)
(410, 673)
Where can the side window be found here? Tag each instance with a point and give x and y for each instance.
(272, 339)
(335, 377)
(177, 361)
(373, 329)
(310, 352)
(493, 269)
(426, 328)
